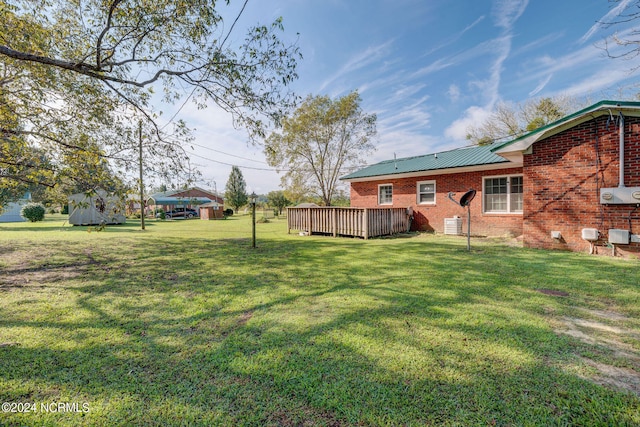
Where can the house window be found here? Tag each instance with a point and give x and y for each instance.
(427, 192)
(503, 194)
(385, 194)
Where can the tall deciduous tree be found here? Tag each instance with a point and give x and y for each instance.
(235, 194)
(511, 121)
(320, 141)
(91, 68)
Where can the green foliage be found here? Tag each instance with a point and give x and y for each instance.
(227, 212)
(33, 212)
(545, 111)
(235, 194)
(72, 85)
(278, 201)
(320, 142)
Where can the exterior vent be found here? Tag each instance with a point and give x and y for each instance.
(590, 234)
(619, 237)
(453, 226)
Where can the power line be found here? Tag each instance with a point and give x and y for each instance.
(241, 167)
(348, 168)
(227, 154)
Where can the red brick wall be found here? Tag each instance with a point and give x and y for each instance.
(562, 177)
(431, 217)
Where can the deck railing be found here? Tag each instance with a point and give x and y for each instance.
(339, 221)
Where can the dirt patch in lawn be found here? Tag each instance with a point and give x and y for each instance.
(553, 292)
(29, 268)
(607, 336)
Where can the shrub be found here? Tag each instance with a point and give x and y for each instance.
(33, 212)
(65, 209)
(228, 212)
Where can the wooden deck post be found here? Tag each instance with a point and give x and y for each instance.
(309, 221)
(365, 223)
(334, 219)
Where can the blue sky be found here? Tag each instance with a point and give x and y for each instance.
(428, 69)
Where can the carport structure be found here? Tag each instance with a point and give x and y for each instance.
(167, 202)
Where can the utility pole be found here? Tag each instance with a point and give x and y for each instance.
(141, 183)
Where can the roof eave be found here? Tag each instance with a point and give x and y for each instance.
(433, 172)
(523, 143)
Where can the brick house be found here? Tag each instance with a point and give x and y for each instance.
(189, 198)
(548, 185)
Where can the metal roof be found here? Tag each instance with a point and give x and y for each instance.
(525, 141)
(477, 155)
(164, 200)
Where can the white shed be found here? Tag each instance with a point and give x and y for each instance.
(11, 212)
(95, 208)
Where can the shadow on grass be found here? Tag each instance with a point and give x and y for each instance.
(310, 332)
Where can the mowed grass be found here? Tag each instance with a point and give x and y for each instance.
(186, 324)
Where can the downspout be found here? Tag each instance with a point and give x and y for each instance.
(621, 131)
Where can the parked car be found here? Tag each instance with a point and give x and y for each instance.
(179, 213)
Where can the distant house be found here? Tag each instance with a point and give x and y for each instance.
(573, 184)
(189, 198)
(95, 208)
(11, 212)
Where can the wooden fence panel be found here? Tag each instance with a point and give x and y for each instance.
(340, 221)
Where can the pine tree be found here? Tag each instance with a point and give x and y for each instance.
(235, 192)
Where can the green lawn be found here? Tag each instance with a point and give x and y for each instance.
(186, 324)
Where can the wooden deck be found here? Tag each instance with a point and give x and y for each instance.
(358, 222)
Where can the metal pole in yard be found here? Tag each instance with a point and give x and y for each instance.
(253, 219)
(469, 227)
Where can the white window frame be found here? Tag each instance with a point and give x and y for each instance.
(418, 193)
(508, 211)
(379, 198)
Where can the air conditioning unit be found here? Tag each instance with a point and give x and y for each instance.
(619, 237)
(590, 234)
(453, 226)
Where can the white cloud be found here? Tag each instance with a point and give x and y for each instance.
(541, 86)
(456, 37)
(473, 116)
(359, 61)
(602, 80)
(435, 66)
(507, 12)
(405, 144)
(225, 146)
(454, 92)
(607, 18)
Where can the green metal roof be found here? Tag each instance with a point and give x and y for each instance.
(457, 158)
(165, 200)
(602, 107)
